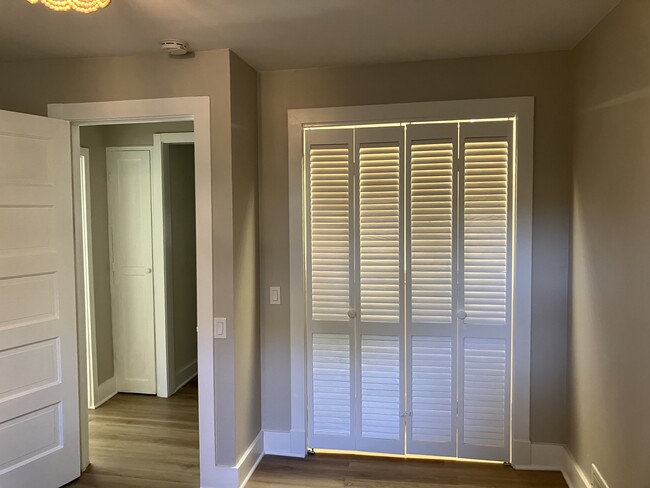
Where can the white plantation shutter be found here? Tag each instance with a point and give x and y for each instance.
(380, 326)
(331, 334)
(409, 288)
(484, 265)
(430, 298)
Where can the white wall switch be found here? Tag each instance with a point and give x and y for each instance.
(219, 328)
(275, 295)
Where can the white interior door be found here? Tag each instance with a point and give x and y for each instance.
(129, 211)
(39, 406)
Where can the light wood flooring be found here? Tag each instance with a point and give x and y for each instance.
(139, 441)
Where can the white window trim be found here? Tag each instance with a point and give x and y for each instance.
(159, 110)
(520, 107)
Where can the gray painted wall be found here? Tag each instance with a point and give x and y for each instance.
(93, 138)
(609, 364)
(182, 275)
(547, 77)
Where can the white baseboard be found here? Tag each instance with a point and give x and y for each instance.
(555, 457)
(573, 474)
(237, 476)
(184, 376)
(291, 444)
(104, 392)
(250, 459)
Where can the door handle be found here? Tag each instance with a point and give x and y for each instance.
(352, 313)
(147, 270)
(461, 314)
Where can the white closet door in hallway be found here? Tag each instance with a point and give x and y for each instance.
(129, 210)
(408, 283)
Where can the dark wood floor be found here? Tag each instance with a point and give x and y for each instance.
(139, 441)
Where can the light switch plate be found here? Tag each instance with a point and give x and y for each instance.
(275, 295)
(219, 328)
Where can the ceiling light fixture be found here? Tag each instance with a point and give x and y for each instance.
(83, 6)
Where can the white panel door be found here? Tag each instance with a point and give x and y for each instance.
(39, 407)
(129, 212)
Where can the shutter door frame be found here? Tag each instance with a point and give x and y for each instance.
(486, 335)
(431, 332)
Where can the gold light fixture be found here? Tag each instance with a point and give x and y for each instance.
(83, 6)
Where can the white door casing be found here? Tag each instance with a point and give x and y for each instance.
(520, 109)
(130, 247)
(39, 415)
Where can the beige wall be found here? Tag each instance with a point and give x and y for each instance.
(246, 223)
(182, 292)
(547, 77)
(28, 86)
(609, 364)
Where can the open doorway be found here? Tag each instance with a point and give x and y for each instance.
(139, 246)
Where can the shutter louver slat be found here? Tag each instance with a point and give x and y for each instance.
(330, 232)
(432, 377)
(484, 382)
(380, 387)
(485, 233)
(379, 233)
(431, 231)
(331, 385)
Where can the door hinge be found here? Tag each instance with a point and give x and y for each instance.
(406, 414)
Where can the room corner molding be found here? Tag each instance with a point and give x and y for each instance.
(282, 443)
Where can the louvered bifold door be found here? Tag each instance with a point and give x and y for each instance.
(332, 369)
(484, 313)
(379, 291)
(431, 162)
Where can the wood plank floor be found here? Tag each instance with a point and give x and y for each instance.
(142, 441)
(329, 471)
(139, 441)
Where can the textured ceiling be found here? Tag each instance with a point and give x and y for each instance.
(276, 34)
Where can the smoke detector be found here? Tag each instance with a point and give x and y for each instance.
(174, 47)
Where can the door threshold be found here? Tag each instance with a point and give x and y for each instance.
(315, 451)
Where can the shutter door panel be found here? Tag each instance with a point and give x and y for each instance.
(379, 232)
(430, 297)
(485, 290)
(431, 230)
(379, 293)
(330, 231)
(331, 353)
(485, 231)
(380, 387)
(484, 389)
(331, 380)
(432, 403)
